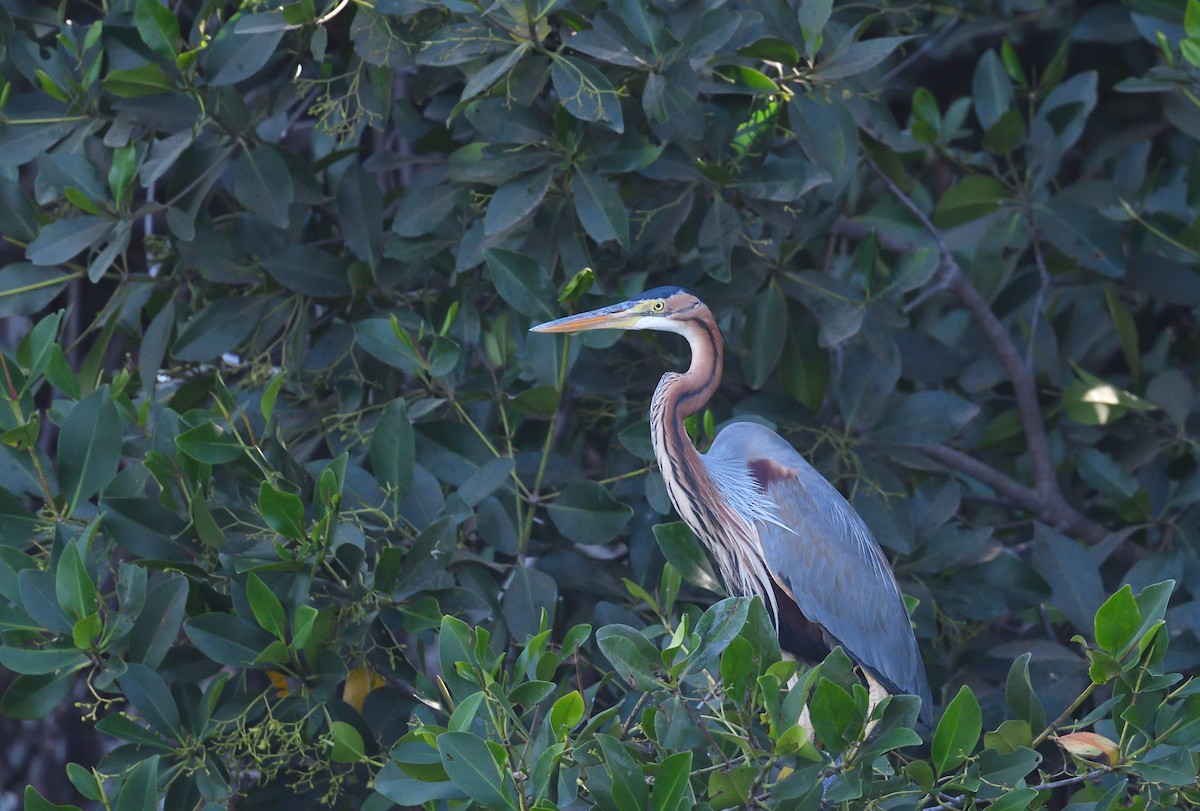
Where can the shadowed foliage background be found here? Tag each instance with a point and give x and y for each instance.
(293, 509)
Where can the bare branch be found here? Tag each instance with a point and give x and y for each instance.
(1055, 512)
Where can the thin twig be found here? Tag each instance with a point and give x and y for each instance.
(947, 801)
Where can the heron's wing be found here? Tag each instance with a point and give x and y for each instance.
(825, 557)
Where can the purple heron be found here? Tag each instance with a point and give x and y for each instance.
(777, 529)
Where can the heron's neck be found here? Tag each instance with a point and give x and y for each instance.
(681, 395)
(698, 499)
(688, 392)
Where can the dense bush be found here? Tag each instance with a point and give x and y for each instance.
(293, 510)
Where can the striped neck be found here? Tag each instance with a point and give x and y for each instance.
(680, 395)
(697, 496)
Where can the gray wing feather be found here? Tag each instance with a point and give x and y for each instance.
(826, 556)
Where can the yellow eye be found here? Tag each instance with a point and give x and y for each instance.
(658, 306)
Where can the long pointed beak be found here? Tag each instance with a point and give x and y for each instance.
(616, 316)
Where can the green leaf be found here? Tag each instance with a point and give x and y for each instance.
(283, 512)
(780, 180)
(41, 661)
(26, 288)
(1127, 331)
(1090, 400)
(731, 788)
(395, 784)
(832, 711)
(1016, 800)
(149, 694)
(163, 154)
(991, 90)
(469, 763)
(302, 625)
(633, 657)
(209, 443)
(158, 622)
(36, 350)
(924, 418)
(62, 240)
(226, 639)
(515, 200)
(1105, 474)
(270, 394)
(30, 698)
(89, 448)
(566, 713)
(22, 143)
(360, 209)
(39, 600)
(628, 784)
(522, 282)
(586, 93)
(585, 513)
(392, 449)
(1003, 137)
(529, 593)
(1018, 693)
(957, 732)
(218, 328)
(310, 272)
(492, 72)
(1152, 602)
(683, 552)
(671, 783)
(719, 235)
(263, 184)
(144, 80)
(378, 338)
(973, 197)
(348, 744)
(858, 57)
(126, 729)
(36, 802)
(642, 20)
(600, 209)
(1072, 574)
(73, 585)
(157, 27)
(766, 334)
(86, 631)
(267, 609)
(1191, 19)
(139, 792)
(1009, 736)
(242, 48)
(718, 626)
(812, 16)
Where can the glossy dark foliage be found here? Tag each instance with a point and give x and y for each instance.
(294, 493)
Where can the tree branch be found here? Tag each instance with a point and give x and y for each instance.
(1057, 512)
(1044, 500)
(1021, 376)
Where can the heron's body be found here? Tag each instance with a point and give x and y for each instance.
(776, 527)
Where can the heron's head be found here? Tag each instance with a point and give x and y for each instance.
(663, 308)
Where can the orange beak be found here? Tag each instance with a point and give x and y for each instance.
(615, 316)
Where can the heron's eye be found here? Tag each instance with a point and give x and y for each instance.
(658, 306)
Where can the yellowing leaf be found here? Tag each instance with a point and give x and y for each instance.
(1089, 746)
(359, 684)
